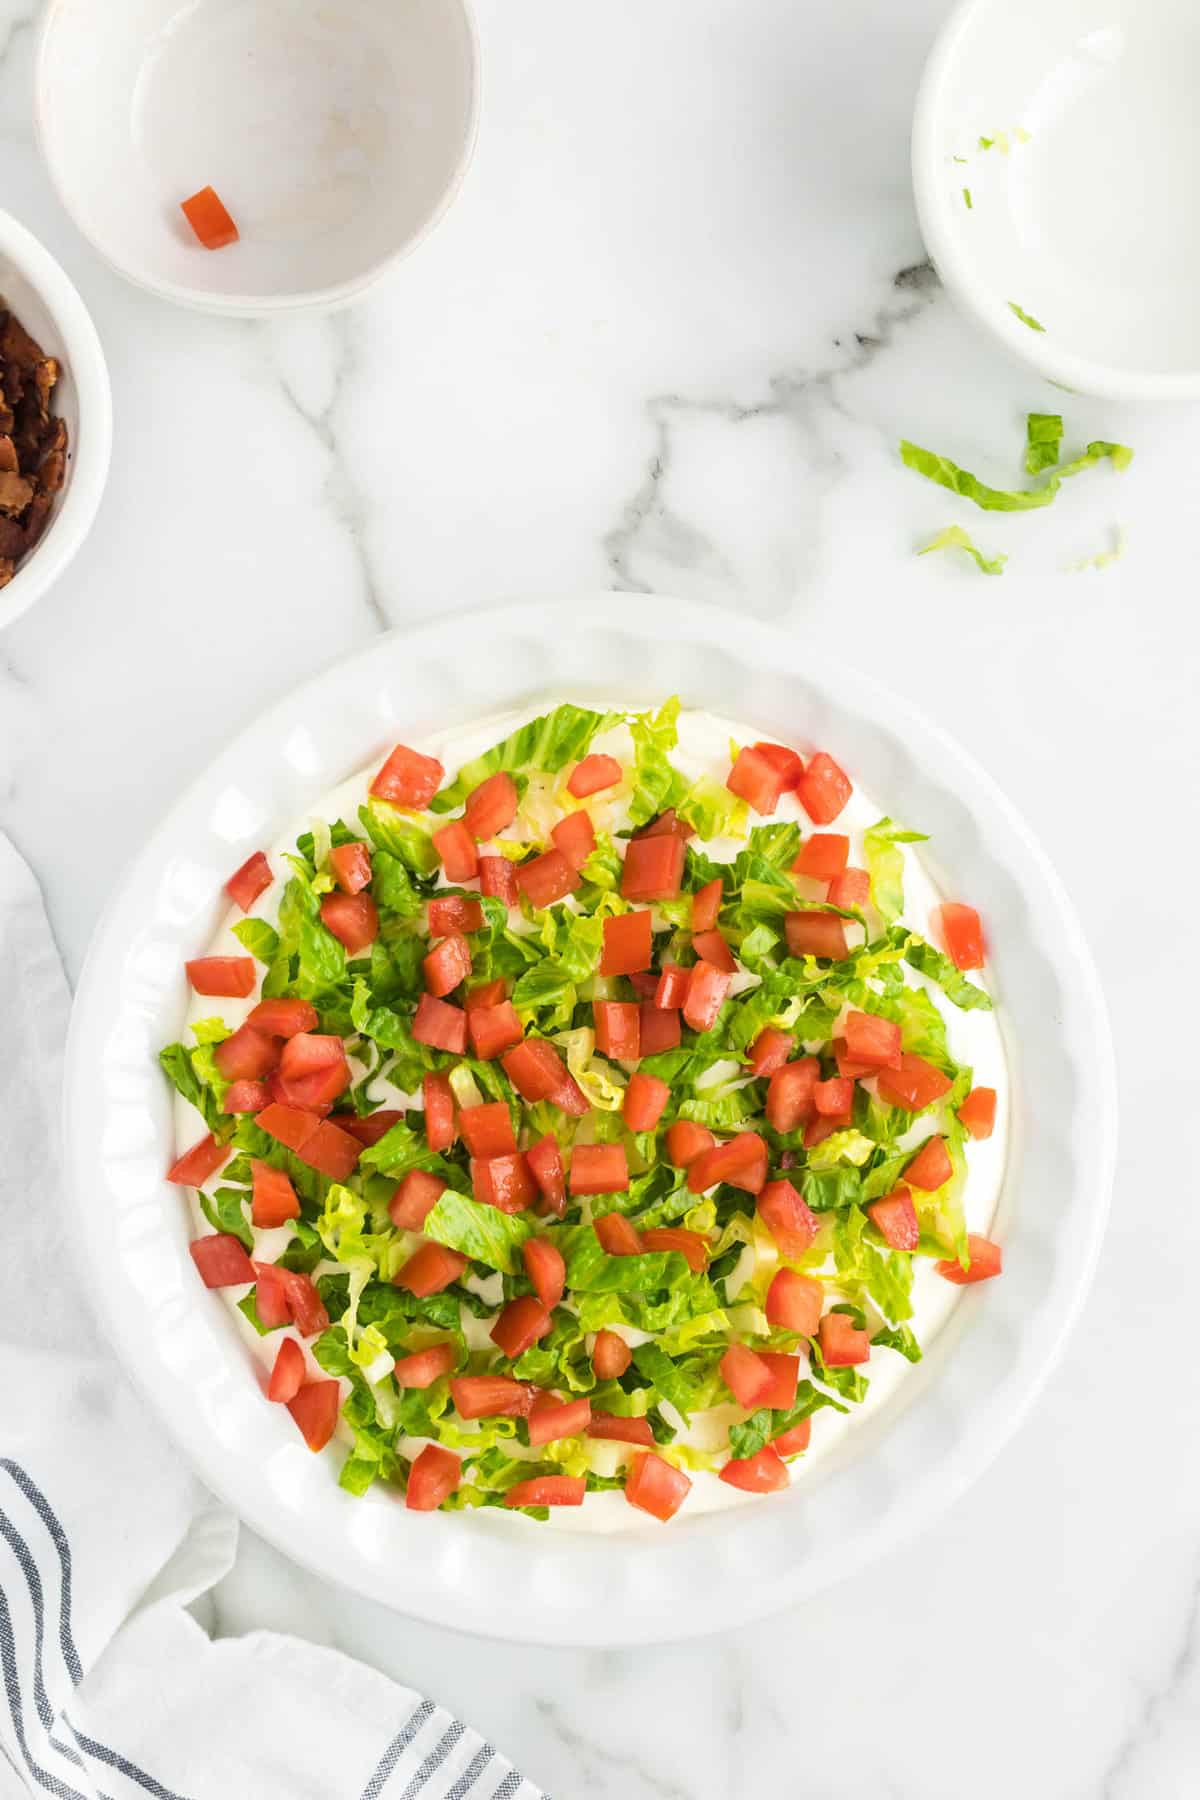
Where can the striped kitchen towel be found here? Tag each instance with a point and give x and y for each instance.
(111, 1690)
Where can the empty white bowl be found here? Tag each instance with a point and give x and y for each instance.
(1084, 212)
(336, 135)
(45, 300)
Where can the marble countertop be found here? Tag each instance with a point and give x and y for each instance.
(668, 339)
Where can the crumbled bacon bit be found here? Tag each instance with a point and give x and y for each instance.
(33, 442)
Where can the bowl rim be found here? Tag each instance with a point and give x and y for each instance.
(709, 1576)
(937, 220)
(75, 510)
(328, 298)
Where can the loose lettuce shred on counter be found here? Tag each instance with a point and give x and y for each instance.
(549, 962)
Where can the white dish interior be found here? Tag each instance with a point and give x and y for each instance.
(476, 1572)
(335, 135)
(1085, 210)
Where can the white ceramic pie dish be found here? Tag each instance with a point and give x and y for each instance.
(473, 1571)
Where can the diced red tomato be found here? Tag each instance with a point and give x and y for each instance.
(455, 912)
(852, 888)
(711, 946)
(667, 824)
(486, 993)
(351, 866)
(551, 1419)
(498, 878)
(672, 988)
(354, 918)
(245, 1097)
(221, 1260)
(314, 1068)
(706, 905)
(491, 1396)
(430, 1269)
(656, 1486)
(788, 763)
(645, 1102)
(834, 1098)
(546, 1167)
(706, 991)
(794, 1302)
(770, 1050)
(373, 1126)
(274, 1200)
(962, 934)
(987, 1260)
(246, 1055)
(763, 1473)
(815, 934)
(842, 1343)
(505, 1182)
(756, 779)
(977, 1114)
(746, 1375)
(252, 879)
(433, 1477)
(741, 1161)
(439, 1111)
(849, 1066)
(823, 789)
(287, 1375)
(790, 1092)
(304, 1303)
(492, 806)
(408, 779)
(822, 1126)
(617, 1236)
(915, 1085)
(546, 879)
(686, 1141)
(423, 1367)
(535, 1069)
(521, 1324)
(547, 1490)
(230, 977)
(613, 1428)
(456, 848)
(931, 1167)
(895, 1217)
(657, 1030)
(288, 1125)
(487, 1130)
(592, 775)
(209, 218)
(691, 1245)
(270, 1296)
(330, 1151)
(628, 944)
(653, 868)
(283, 1018)
(414, 1199)
(315, 1410)
(545, 1268)
(794, 1441)
(569, 1097)
(788, 1218)
(599, 1169)
(611, 1356)
(644, 983)
(872, 1040)
(196, 1165)
(493, 1029)
(823, 856)
(574, 837)
(442, 1026)
(618, 1029)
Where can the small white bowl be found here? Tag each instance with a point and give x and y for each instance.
(336, 135)
(1085, 210)
(39, 292)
